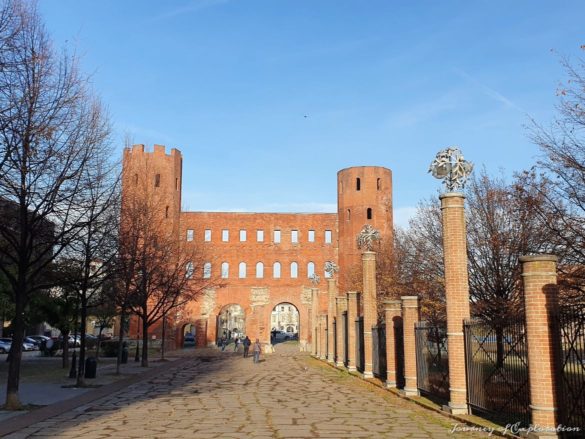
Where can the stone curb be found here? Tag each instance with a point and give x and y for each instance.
(396, 392)
(19, 422)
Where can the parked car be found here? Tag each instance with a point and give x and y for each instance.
(5, 346)
(38, 338)
(282, 336)
(25, 346)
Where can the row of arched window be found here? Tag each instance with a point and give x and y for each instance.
(243, 270)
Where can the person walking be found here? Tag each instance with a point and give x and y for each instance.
(257, 349)
(223, 343)
(236, 344)
(247, 342)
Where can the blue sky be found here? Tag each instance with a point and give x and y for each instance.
(387, 83)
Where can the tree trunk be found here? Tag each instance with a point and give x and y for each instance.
(65, 347)
(81, 367)
(12, 384)
(97, 348)
(162, 346)
(120, 340)
(144, 341)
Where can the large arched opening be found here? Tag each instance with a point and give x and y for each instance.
(231, 321)
(285, 323)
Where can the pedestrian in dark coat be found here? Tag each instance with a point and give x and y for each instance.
(247, 342)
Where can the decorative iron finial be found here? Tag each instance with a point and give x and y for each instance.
(331, 268)
(450, 166)
(315, 279)
(366, 238)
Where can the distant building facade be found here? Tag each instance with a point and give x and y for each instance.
(264, 260)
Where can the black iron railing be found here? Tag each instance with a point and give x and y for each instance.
(345, 338)
(497, 371)
(359, 344)
(569, 328)
(379, 351)
(399, 351)
(432, 366)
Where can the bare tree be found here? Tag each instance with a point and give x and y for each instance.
(563, 167)
(51, 130)
(159, 271)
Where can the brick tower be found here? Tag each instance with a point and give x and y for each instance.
(364, 196)
(158, 177)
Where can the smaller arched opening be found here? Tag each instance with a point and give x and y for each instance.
(231, 322)
(369, 213)
(284, 323)
(188, 333)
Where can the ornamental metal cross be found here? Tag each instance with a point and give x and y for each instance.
(366, 238)
(331, 268)
(315, 279)
(451, 167)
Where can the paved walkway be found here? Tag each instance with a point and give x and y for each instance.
(287, 395)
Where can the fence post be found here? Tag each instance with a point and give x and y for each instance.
(392, 310)
(341, 308)
(314, 320)
(352, 315)
(539, 276)
(331, 312)
(457, 296)
(410, 316)
(369, 311)
(323, 336)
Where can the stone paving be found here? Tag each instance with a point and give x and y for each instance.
(286, 395)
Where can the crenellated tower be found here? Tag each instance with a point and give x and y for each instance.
(364, 196)
(157, 177)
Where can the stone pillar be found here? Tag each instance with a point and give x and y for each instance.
(457, 295)
(341, 308)
(323, 336)
(410, 315)
(352, 315)
(331, 312)
(392, 309)
(539, 275)
(314, 320)
(369, 309)
(201, 333)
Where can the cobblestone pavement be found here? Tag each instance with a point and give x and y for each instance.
(287, 395)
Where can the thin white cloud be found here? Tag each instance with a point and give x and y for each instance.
(423, 112)
(488, 91)
(193, 6)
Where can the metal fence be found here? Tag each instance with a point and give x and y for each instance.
(359, 344)
(334, 324)
(569, 327)
(379, 351)
(399, 351)
(432, 366)
(345, 338)
(497, 371)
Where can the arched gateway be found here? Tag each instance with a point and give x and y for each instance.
(264, 259)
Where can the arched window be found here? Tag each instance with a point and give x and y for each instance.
(348, 214)
(189, 270)
(207, 270)
(369, 213)
(294, 270)
(259, 270)
(242, 270)
(358, 184)
(310, 269)
(378, 184)
(225, 270)
(327, 273)
(276, 270)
